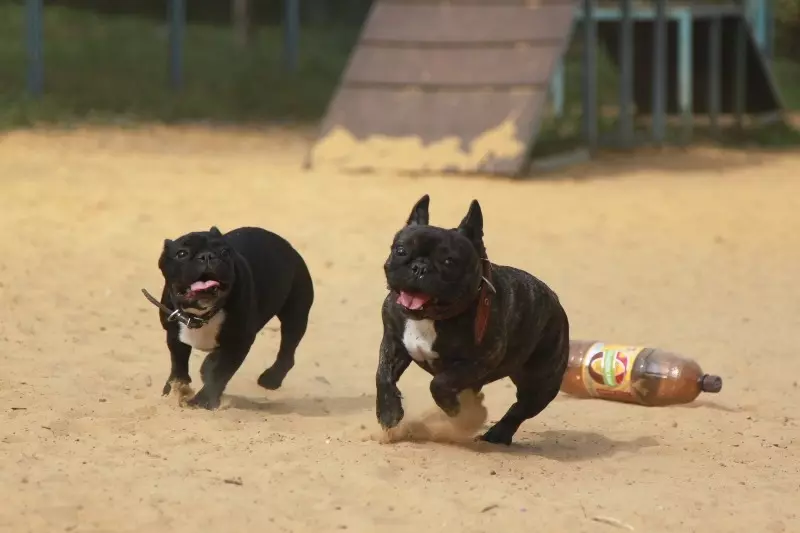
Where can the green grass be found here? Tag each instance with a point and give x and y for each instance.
(114, 69)
(104, 68)
(787, 75)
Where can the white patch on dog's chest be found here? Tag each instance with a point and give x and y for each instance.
(204, 338)
(418, 338)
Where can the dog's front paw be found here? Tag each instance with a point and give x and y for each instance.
(497, 434)
(204, 400)
(180, 385)
(390, 409)
(445, 398)
(272, 378)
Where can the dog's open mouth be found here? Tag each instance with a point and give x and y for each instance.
(205, 286)
(413, 301)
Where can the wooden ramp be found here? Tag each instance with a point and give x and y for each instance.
(456, 85)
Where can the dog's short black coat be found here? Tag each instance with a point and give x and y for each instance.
(237, 282)
(431, 270)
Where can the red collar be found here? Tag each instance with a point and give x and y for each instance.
(484, 302)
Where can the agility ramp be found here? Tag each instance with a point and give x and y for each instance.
(447, 86)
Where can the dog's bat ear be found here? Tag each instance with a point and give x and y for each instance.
(419, 213)
(163, 257)
(215, 232)
(472, 224)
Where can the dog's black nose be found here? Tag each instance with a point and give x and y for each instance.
(205, 257)
(419, 270)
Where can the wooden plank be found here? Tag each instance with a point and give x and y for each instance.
(525, 65)
(465, 131)
(467, 24)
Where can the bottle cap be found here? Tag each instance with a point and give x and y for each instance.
(709, 383)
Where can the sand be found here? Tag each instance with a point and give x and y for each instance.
(696, 252)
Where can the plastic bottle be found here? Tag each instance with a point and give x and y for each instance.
(634, 374)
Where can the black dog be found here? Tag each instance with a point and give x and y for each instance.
(219, 292)
(468, 322)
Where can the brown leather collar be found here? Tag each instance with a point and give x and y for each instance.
(485, 292)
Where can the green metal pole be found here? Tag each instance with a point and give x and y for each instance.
(35, 46)
(589, 74)
(291, 33)
(714, 72)
(659, 72)
(177, 29)
(626, 74)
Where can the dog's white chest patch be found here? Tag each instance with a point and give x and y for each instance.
(204, 338)
(418, 338)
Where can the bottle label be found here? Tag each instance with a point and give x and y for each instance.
(607, 370)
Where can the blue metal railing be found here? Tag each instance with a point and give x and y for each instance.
(759, 21)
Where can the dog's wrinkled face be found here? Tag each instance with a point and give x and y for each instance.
(198, 268)
(429, 265)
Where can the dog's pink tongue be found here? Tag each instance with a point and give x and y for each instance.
(413, 301)
(202, 285)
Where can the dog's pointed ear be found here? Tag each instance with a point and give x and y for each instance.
(163, 257)
(215, 232)
(472, 224)
(419, 214)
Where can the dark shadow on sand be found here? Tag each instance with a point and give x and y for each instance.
(708, 404)
(565, 446)
(306, 406)
(704, 404)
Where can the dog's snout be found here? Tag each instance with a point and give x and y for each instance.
(205, 257)
(419, 269)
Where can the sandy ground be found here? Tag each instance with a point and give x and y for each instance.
(696, 252)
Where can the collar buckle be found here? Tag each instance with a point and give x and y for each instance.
(191, 322)
(178, 315)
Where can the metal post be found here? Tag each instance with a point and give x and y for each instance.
(769, 23)
(291, 33)
(240, 19)
(557, 89)
(741, 71)
(685, 81)
(626, 75)
(714, 72)
(659, 72)
(589, 74)
(177, 28)
(35, 46)
(761, 26)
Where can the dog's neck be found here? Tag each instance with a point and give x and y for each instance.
(482, 293)
(178, 314)
(196, 315)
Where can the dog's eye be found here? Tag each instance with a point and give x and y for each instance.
(224, 253)
(448, 262)
(181, 254)
(399, 250)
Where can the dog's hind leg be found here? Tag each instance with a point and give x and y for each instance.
(294, 321)
(529, 404)
(537, 382)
